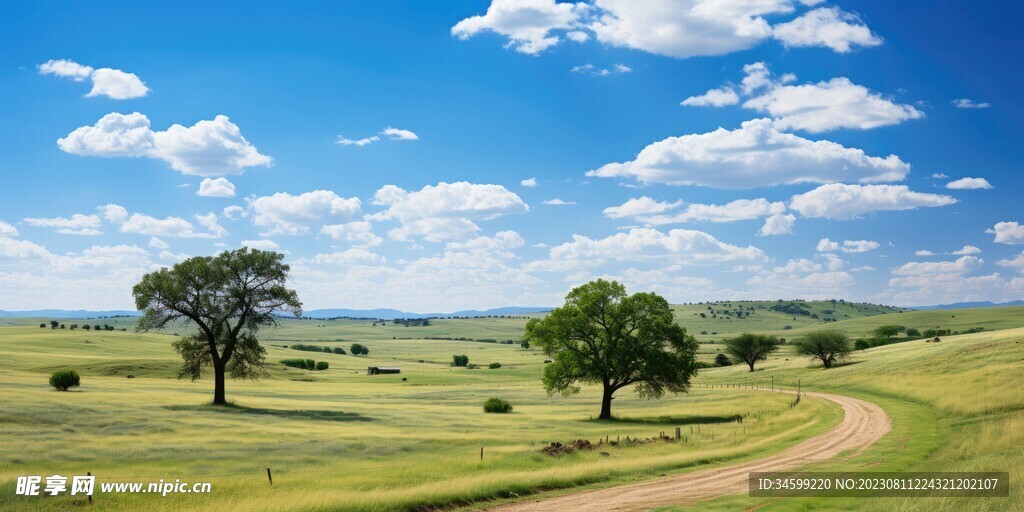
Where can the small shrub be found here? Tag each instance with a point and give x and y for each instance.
(295, 363)
(462, 360)
(722, 360)
(497, 405)
(322, 365)
(339, 351)
(63, 380)
(494, 366)
(359, 349)
(310, 364)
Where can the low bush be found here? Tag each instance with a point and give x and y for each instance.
(322, 365)
(359, 349)
(63, 380)
(339, 351)
(306, 364)
(497, 405)
(722, 360)
(494, 366)
(295, 363)
(462, 360)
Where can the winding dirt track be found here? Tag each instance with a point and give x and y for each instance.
(863, 424)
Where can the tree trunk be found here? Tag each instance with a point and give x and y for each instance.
(606, 403)
(218, 385)
(751, 364)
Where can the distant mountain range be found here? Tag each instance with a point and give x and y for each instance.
(963, 305)
(380, 314)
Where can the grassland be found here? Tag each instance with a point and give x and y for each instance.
(341, 440)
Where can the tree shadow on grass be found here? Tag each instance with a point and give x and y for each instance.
(674, 420)
(301, 414)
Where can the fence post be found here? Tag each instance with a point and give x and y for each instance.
(89, 473)
(269, 477)
(678, 433)
(481, 453)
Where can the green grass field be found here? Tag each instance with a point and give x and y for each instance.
(341, 440)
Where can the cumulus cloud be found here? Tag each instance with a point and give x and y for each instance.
(207, 148)
(917, 268)
(77, 224)
(138, 223)
(359, 233)
(826, 26)
(7, 230)
(841, 201)
(1011, 233)
(655, 213)
(234, 212)
(778, 224)
(529, 182)
(755, 155)
(719, 97)
(966, 250)
(969, 103)
(681, 246)
(849, 246)
(924, 252)
(559, 202)
(528, 24)
(1016, 262)
(444, 211)
(112, 83)
(812, 107)
(969, 184)
(263, 244)
(156, 243)
(216, 187)
(287, 214)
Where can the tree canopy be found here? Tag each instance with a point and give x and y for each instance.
(602, 335)
(827, 346)
(227, 298)
(751, 348)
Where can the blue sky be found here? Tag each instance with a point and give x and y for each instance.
(828, 160)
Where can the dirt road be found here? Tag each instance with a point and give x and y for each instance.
(863, 424)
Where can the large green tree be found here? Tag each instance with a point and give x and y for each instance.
(827, 346)
(602, 335)
(227, 297)
(751, 348)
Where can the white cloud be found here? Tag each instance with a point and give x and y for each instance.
(7, 230)
(826, 26)
(719, 97)
(824, 106)
(778, 224)
(967, 250)
(1016, 262)
(970, 184)
(77, 224)
(639, 207)
(917, 268)
(359, 233)
(113, 83)
(528, 24)
(234, 212)
(578, 36)
(175, 257)
(156, 243)
(389, 133)
(848, 246)
(686, 28)
(399, 134)
(939, 176)
(169, 226)
(969, 103)
(590, 69)
(680, 246)
(344, 141)
(841, 201)
(924, 252)
(216, 187)
(263, 245)
(207, 148)
(559, 202)
(353, 256)
(444, 211)
(816, 285)
(755, 155)
(1011, 233)
(529, 182)
(501, 244)
(286, 214)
